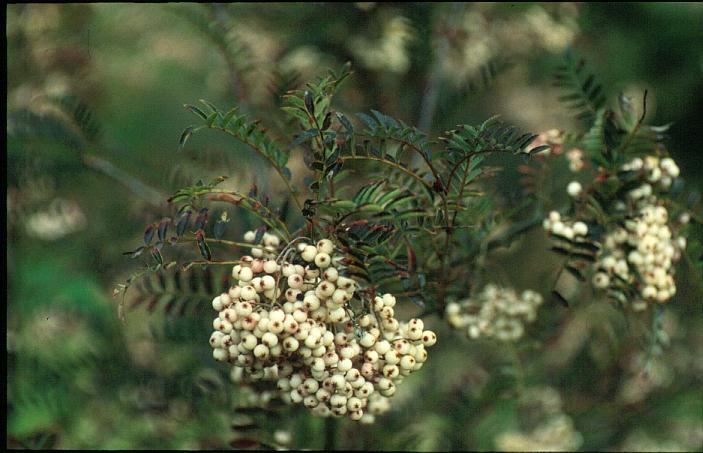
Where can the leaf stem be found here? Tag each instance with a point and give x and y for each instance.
(222, 241)
(268, 158)
(391, 164)
(208, 190)
(634, 130)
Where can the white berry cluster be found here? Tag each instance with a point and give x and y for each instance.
(554, 138)
(641, 251)
(655, 171)
(551, 429)
(495, 312)
(294, 325)
(575, 156)
(565, 228)
(268, 248)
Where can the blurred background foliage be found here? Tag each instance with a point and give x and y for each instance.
(94, 114)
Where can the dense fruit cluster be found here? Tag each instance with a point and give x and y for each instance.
(291, 321)
(575, 156)
(563, 227)
(640, 251)
(554, 138)
(655, 171)
(495, 312)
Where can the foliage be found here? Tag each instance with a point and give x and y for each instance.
(377, 225)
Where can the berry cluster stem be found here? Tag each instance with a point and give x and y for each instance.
(330, 434)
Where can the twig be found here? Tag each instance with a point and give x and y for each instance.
(392, 164)
(432, 88)
(151, 195)
(635, 129)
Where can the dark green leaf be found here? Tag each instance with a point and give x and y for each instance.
(135, 253)
(156, 254)
(149, 234)
(183, 223)
(184, 137)
(309, 103)
(195, 110)
(202, 245)
(163, 228)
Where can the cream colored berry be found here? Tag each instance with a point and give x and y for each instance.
(309, 253)
(220, 354)
(345, 283)
(407, 362)
(287, 269)
(261, 351)
(269, 339)
(246, 274)
(429, 338)
(248, 293)
(580, 229)
(601, 280)
(330, 274)
(270, 266)
(344, 365)
(295, 281)
(268, 282)
(340, 296)
(217, 303)
(290, 344)
(325, 246)
(325, 289)
(574, 189)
